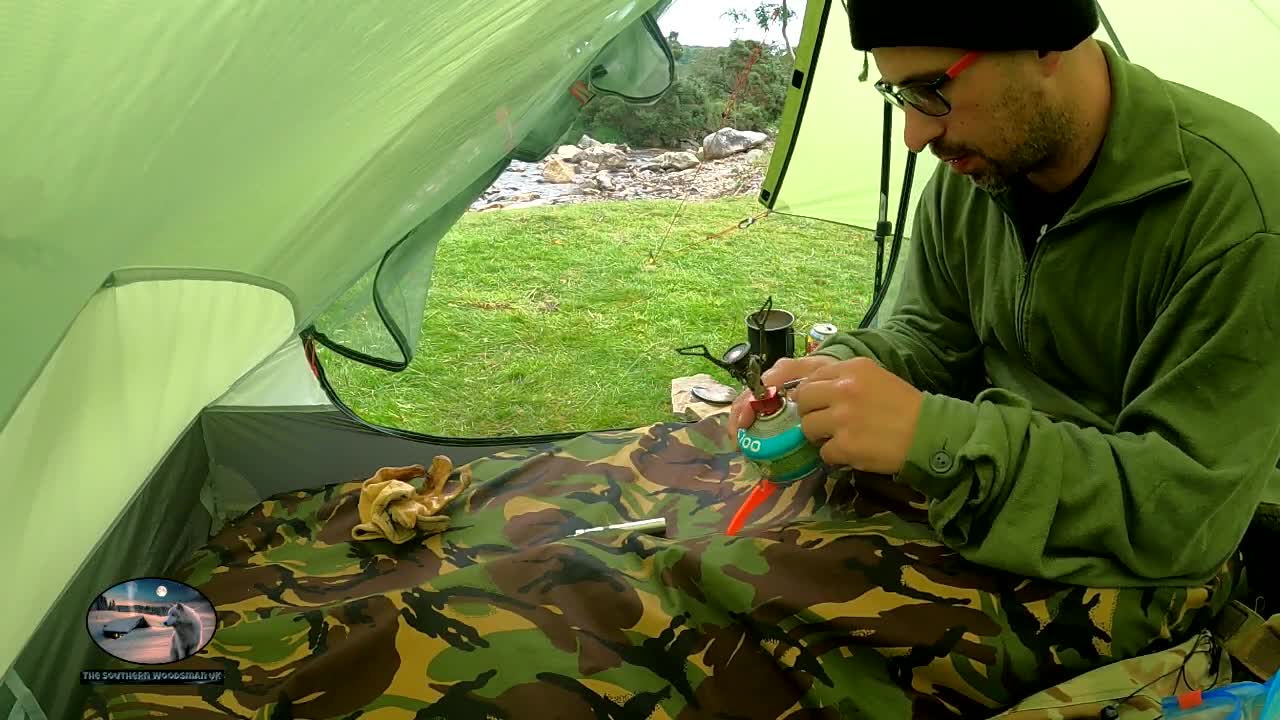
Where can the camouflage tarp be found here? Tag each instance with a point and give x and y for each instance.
(836, 602)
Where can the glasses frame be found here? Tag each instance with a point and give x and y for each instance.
(894, 95)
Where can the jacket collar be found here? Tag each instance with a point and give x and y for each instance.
(1142, 152)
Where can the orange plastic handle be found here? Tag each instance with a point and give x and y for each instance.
(759, 494)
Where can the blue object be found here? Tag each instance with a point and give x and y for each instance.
(771, 447)
(1271, 708)
(1237, 701)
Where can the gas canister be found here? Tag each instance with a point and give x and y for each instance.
(775, 442)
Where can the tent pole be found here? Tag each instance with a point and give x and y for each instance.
(903, 203)
(1111, 32)
(883, 228)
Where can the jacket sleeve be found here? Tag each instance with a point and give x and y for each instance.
(1167, 496)
(929, 339)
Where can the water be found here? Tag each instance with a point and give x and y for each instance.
(522, 178)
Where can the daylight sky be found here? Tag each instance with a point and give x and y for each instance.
(702, 22)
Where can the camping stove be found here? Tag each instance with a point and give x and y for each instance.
(775, 444)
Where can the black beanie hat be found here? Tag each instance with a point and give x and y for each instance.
(976, 25)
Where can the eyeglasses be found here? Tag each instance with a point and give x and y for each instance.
(927, 96)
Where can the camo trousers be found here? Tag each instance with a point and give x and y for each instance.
(837, 601)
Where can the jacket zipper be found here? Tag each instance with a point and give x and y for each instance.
(1020, 324)
(1020, 320)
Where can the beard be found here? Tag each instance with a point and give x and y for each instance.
(1035, 131)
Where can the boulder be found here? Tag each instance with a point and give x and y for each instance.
(557, 171)
(587, 142)
(600, 181)
(568, 153)
(727, 141)
(675, 161)
(755, 155)
(605, 156)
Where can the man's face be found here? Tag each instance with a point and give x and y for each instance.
(1003, 122)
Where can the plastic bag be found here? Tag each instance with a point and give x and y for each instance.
(1237, 701)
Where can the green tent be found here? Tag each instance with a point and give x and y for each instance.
(196, 191)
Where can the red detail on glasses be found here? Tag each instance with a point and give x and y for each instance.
(963, 63)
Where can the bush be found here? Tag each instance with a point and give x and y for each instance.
(696, 104)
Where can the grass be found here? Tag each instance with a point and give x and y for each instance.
(553, 319)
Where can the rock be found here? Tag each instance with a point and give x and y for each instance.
(676, 161)
(727, 141)
(600, 181)
(568, 153)
(605, 156)
(557, 171)
(614, 174)
(587, 142)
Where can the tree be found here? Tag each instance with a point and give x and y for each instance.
(752, 79)
(767, 13)
(673, 41)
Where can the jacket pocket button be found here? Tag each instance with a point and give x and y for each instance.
(940, 462)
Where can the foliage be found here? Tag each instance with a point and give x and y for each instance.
(706, 80)
(766, 14)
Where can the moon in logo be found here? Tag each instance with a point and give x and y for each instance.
(162, 591)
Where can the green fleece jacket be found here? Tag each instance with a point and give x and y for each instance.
(1102, 395)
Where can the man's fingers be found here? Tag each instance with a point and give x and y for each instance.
(830, 453)
(847, 368)
(793, 368)
(812, 395)
(819, 426)
(740, 414)
(782, 371)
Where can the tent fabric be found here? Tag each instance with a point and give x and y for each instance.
(379, 319)
(126, 381)
(162, 524)
(231, 458)
(251, 137)
(259, 452)
(284, 380)
(25, 706)
(287, 149)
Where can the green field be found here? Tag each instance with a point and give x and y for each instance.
(554, 319)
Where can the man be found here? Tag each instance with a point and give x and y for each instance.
(1081, 376)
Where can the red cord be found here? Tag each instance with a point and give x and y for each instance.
(759, 494)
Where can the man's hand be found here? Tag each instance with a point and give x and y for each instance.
(860, 415)
(741, 415)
